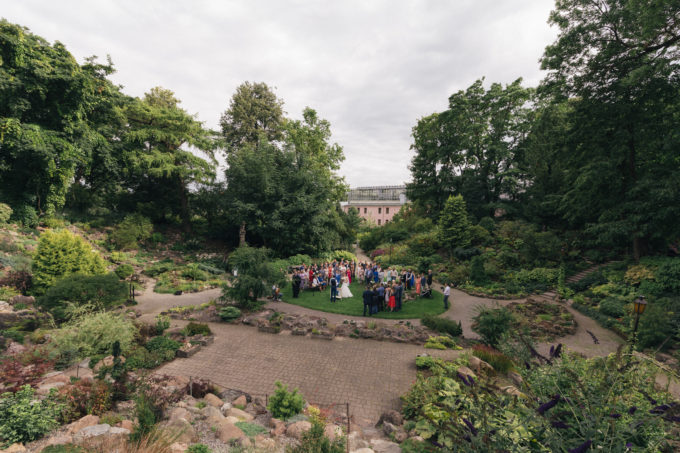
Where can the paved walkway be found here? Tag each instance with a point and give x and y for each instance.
(370, 375)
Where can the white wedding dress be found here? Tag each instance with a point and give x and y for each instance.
(344, 289)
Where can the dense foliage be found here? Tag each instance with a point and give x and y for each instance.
(23, 419)
(284, 404)
(255, 276)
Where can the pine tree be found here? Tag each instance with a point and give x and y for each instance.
(454, 226)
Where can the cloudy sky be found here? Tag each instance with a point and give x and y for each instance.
(370, 67)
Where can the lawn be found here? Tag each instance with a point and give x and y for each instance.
(355, 306)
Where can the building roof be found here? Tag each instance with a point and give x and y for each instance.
(377, 193)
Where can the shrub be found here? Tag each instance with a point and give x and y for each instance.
(427, 362)
(22, 280)
(67, 448)
(230, 313)
(465, 254)
(499, 361)
(487, 223)
(454, 226)
(284, 404)
(100, 291)
(492, 323)
(251, 429)
(613, 306)
(537, 277)
(442, 325)
(198, 448)
(124, 271)
(134, 228)
(85, 397)
(5, 213)
(194, 273)
(159, 268)
(162, 344)
(477, 272)
(94, 334)
(23, 369)
(343, 255)
(26, 215)
(255, 276)
(315, 441)
(147, 415)
(63, 254)
(162, 324)
(195, 328)
(659, 321)
(22, 419)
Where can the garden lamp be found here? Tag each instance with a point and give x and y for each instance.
(639, 305)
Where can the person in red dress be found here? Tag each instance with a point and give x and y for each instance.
(392, 301)
(349, 275)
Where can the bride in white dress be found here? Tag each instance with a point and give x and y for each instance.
(344, 289)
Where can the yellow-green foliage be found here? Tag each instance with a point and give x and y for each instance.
(638, 273)
(94, 334)
(60, 254)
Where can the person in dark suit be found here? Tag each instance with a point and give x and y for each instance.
(375, 302)
(334, 290)
(297, 280)
(399, 294)
(381, 295)
(368, 301)
(429, 278)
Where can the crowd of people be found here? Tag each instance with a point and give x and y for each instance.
(385, 288)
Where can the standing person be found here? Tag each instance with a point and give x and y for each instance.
(297, 281)
(412, 279)
(392, 302)
(408, 280)
(334, 290)
(429, 278)
(367, 296)
(418, 283)
(349, 275)
(375, 302)
(447, 293)
(423, 282)
(399, 293)
(381, 297)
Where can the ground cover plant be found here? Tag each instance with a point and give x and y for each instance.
(354, 306)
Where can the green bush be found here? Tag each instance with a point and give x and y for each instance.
(499, 361)
(537, 278)
(492, 323)
(454, 226)
(26, 215)
(194, 328)
(63, 254)
(140, 358)
(477, 272)
(147, 416)
(488, 224)
(194, 273)
(659, 322)
(133, 229)
(124, 271)
(198, 448)
(256, 275)
(23, 418)
(427, 362)
(315, 441)
(343, 255)
(251, 429)
(442, 325)
(613, 306)
(162, 324)
(94, 334)
(159, 268)
(5, 213)
(284, 404)
(101, 291)
(163, 346)
(230, 313)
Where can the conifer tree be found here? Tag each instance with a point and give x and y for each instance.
(454, 225)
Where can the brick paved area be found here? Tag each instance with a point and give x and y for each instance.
(370, 375)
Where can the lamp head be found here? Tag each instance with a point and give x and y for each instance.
(639, 305)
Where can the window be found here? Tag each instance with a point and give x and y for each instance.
(364, 210)
(379, 210)
(378, 220)
(387, 210)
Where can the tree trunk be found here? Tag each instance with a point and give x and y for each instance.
(242, 235)
(184, 206)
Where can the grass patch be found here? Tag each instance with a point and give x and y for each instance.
(251, 429)
(354, 306)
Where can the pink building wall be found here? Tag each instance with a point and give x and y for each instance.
(377, 214)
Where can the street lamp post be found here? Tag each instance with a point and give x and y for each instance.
(638, 307)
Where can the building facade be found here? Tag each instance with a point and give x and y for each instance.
(377, 204)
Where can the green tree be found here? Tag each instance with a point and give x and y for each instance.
(62, 254)
(159, 131)
(454, 225)
(255, 276)
(254, 109)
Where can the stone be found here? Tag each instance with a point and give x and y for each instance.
(296, 429)
(384, 446)
(356, 442)
(393, 417)
(244, 443)
(515, 378)
(97, 437)
(240, 402)
(106, 362)
(228, 431)
(332, 431)
(225, 408)
(362, 450)
(241, 415)
(178, 447)
(211, 411)
(182, 431)
(84, 422)
(465, 371)
(44, 389)
(278, 427)
(4, 306)
(213, 400)
(14, 448)
(180, 412)
(15, 348)
(127, 424)
(264, 443)
(479, 365)
(59, 440)
(512, 390)
(231, 419)
(19, 299)
(56, 376)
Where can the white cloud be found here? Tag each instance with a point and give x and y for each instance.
(371, 68)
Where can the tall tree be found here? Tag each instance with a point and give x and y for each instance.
(160, 135)
(618, 59)
(254, 109)
(454, 226)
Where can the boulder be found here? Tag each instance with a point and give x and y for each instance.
(213, 400)
(225, 408)
(363, 450)
(15, 448)
(15, 348)
(278, 427)
(241, 415)
(227, 432)
(44, 389)
(240, 402)
(244, 443)
(55, 376)
(126, 424)
(182, 431)
(180, 412)
(106, 362)
(465, 371)
(263, 443)
(397, 432)
(178, 447)
(296, 429)
(98, 437)
(59, 440)
(231, 419)
(393, 417)
(515, 378)
(84, 422)
(356, 442)
(479, 365)
(384, 446)
(332, 431)
(19, 299)
(512, 390)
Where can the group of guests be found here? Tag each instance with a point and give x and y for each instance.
(373, 274)
(336, 275)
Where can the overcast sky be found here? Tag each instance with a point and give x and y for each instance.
(371, 68)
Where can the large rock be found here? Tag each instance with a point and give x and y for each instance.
(84, 422)
(44, 389)
(227, 432)
(4, 306)
(178, 448)
(106, 362)
(241, 415)
(56, 376)
(480, 366)
(332, 431)
(393, 417)
(213, 400)
(397, 432)
(98, 437)
(278, 427)
(180, 412)
(384, 446)
(19, 299)
(356, 442)
(515, 378)
(263, 443)
(126, 424)
(362, 450)
(296, 429)
(59, 440)
(465, 371)
(225, 408)
(15, 348)
(512, 390)
(181, 430)
(241, 402)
